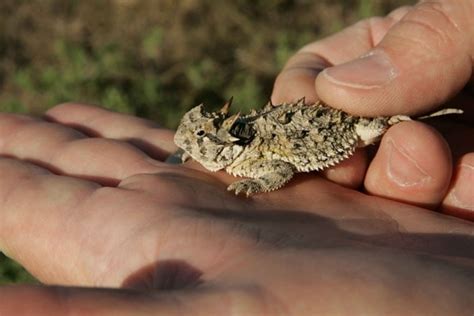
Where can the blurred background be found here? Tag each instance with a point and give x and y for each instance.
(156, 58)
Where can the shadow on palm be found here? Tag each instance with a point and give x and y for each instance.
(309, 216)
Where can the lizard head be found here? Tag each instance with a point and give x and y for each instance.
(207, 138)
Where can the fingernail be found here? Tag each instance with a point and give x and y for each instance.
(463, 192)
(403, 169)
(369, 71)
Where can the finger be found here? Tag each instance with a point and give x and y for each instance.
(67, 151)
(297, 78)
(95, 121)
(37, 207)
(71, 231)
(53, 301)
(299, 74)
(350, 172)
(421, 61)
(459, 201)
(415, 170)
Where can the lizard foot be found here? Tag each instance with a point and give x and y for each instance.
(247, 186)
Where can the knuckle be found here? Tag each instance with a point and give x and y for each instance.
(441, 10)
(432, 30)
(376, 28)
(400, 12)
(436, 22)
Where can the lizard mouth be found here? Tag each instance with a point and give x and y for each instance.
(178, 157)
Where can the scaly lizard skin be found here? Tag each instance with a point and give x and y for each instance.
(270, 145)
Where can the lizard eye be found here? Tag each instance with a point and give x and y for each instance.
(200, 133)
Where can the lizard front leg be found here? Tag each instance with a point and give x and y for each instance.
(266, 176)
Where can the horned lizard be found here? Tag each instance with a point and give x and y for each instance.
(270, 145)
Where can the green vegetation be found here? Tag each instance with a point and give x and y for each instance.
(156, 58)
(11, 272)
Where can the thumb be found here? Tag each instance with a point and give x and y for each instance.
(421, 61)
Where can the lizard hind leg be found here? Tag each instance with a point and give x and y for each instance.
(271, 176)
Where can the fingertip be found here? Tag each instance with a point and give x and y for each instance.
(294, 84)
(297, 78)
(412, 165)
(459, 201)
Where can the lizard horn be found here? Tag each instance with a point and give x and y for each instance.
(228, 122)
(226, 107)
(234, 118)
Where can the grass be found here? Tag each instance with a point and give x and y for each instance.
(156, 58)
(11, 272)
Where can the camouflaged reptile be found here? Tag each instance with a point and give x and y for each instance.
(270, 145)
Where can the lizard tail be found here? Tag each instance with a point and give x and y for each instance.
(441, 112)
(400, 118)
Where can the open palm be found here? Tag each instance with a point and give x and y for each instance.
(86, 202)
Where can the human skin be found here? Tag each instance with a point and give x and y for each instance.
(87, 203)
(169, 239)
(409, 62)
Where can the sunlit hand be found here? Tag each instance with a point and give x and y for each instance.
(86, 203)
(409, 62)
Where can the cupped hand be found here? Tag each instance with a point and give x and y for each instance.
(87, 203)
(409, 62)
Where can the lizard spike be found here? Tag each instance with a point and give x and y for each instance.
(269, 105)
(225, 109)
(228, 122)
(234, 117)
(301, 101)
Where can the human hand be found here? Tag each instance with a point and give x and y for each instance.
(104, 211)
(406, 63)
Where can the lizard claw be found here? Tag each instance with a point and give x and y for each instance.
(247, 186)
